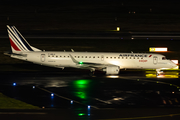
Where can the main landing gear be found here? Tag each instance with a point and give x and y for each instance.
(92, 72)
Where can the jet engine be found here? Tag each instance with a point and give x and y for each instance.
(112, 70)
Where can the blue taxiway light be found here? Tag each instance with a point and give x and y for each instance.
(52, 95)
(89, 107)
(71, 101)
(14, 84)
(33, 87)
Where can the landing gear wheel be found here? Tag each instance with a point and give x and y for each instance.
(92, 72)
(158, 72)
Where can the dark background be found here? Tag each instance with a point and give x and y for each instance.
(91, 15)
(92, 18)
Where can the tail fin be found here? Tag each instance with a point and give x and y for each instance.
(18, 42)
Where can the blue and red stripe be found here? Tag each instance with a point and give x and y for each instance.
(14, 45)
(17, 41)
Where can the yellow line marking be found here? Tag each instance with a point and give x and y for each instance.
(145, 117)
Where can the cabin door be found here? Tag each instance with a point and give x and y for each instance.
(155, 60)
(42, 57)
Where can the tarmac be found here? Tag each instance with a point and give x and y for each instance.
(76, 95)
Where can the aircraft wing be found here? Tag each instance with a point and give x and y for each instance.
(88, 65)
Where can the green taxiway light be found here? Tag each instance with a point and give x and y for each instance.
(81, 114)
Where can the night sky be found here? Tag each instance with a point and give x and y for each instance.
(91, 15)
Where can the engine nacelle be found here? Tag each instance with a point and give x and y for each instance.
(112, 70)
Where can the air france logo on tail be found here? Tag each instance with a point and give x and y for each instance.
(18, 42)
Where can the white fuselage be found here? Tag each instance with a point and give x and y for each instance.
(109, 62)
(123, 60)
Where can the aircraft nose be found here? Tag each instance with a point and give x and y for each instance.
(174, 65)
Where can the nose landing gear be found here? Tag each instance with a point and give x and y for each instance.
(159, 72)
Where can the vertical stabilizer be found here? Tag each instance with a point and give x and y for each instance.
(18, 42)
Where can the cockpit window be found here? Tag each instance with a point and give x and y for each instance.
(163, 58)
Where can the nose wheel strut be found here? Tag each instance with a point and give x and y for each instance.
(158, 72)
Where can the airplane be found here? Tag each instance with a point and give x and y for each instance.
(111, 63)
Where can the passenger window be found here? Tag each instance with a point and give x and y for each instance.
(64, 56)
(78, 56)
(86, 57)
(56, 56)
(106, 57)
(82, 56)
(114, 57)
(129, 57)
(122, 57)
(111, 57)
(163, 58)
(118, 57)
(89, 56)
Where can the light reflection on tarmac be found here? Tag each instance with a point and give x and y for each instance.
(109, 91)
(166, 74)
(101, 92)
